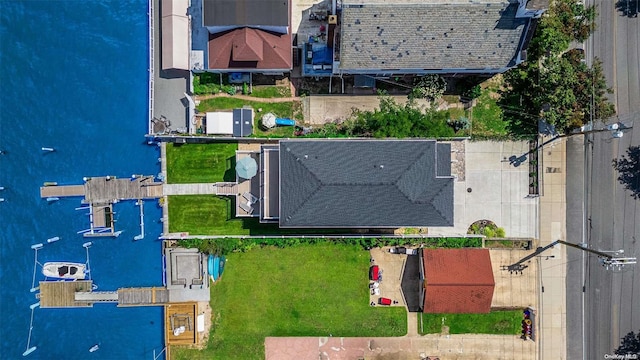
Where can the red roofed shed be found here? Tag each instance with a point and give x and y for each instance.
(456, 281)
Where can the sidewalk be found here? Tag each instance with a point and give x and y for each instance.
(552, 296)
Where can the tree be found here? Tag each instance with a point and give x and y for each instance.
(562, 90)
(565, 21)
(630, 344)
(399, 121)
(628, 168)
(429, 87)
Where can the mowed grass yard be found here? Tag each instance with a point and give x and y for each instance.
(507, 322)
(305, 290)
(287, 109)
(200, 163)
(213, 215)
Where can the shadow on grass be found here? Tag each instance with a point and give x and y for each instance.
(230, 173)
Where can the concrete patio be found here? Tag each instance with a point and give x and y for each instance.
(493, 188)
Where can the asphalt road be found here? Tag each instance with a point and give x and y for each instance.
(602, 213)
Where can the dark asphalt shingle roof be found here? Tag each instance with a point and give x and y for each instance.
(246, 12)
(428, 36)
(372, 183)
(242, 122)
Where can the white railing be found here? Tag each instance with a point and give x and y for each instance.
(151, 65)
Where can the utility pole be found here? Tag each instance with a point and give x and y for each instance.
(608, 261)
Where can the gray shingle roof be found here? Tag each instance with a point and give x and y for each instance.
(246, 12)
(242, 122)
(430, 36)
(371, 183)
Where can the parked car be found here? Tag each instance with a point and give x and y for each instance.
(403, 250)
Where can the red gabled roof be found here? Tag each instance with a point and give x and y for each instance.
(248, 48)
(457, 280)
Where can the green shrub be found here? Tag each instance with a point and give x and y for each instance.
(489, 232)
(473, 93)
(500, 233)
(223, 246)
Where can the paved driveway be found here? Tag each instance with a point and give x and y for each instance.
(499, 190)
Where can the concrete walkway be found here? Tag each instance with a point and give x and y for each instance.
(479, 347)
(412, 324)
(552, 295)
(188, 189)
(248, 98)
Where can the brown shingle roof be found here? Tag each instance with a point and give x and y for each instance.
(457, 280)
(248, 48)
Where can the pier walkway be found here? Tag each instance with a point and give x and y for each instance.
(107, 189)
(73, 294)
(189, 189)
(100, 193)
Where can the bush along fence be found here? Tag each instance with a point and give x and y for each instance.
(222, 246)
(534, 175)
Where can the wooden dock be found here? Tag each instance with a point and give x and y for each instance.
(70, 294)
(61, 191)
(104, 190)
(108, 189)
(180, 315)
(148, 296)
(100, 193)
(61, 294)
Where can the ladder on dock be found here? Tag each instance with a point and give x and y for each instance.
(226, 188)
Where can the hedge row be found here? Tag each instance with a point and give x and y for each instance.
(224, 246)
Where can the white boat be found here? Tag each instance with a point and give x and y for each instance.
(64, 270)
(94, 348)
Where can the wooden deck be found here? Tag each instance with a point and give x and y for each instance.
(102, 215)
(61, 191)
(150, 296)
(61, 294)
(108, 189)
(177, 315)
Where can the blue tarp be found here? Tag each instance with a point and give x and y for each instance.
(322, 56)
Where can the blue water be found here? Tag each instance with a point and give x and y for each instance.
(74, 77)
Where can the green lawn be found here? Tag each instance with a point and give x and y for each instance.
(506, 322)
(211, 215)
(487, 116)
(200, 163)
(306, 290)
(289, 109)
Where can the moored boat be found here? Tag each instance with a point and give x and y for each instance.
(64, 270)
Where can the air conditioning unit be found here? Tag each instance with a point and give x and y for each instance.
(333, 19)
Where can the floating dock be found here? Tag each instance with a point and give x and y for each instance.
(61, 294)
(74, 294)
(107, 189)
(100, 193)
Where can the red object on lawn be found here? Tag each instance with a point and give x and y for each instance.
(384, 301)
(374, 273)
